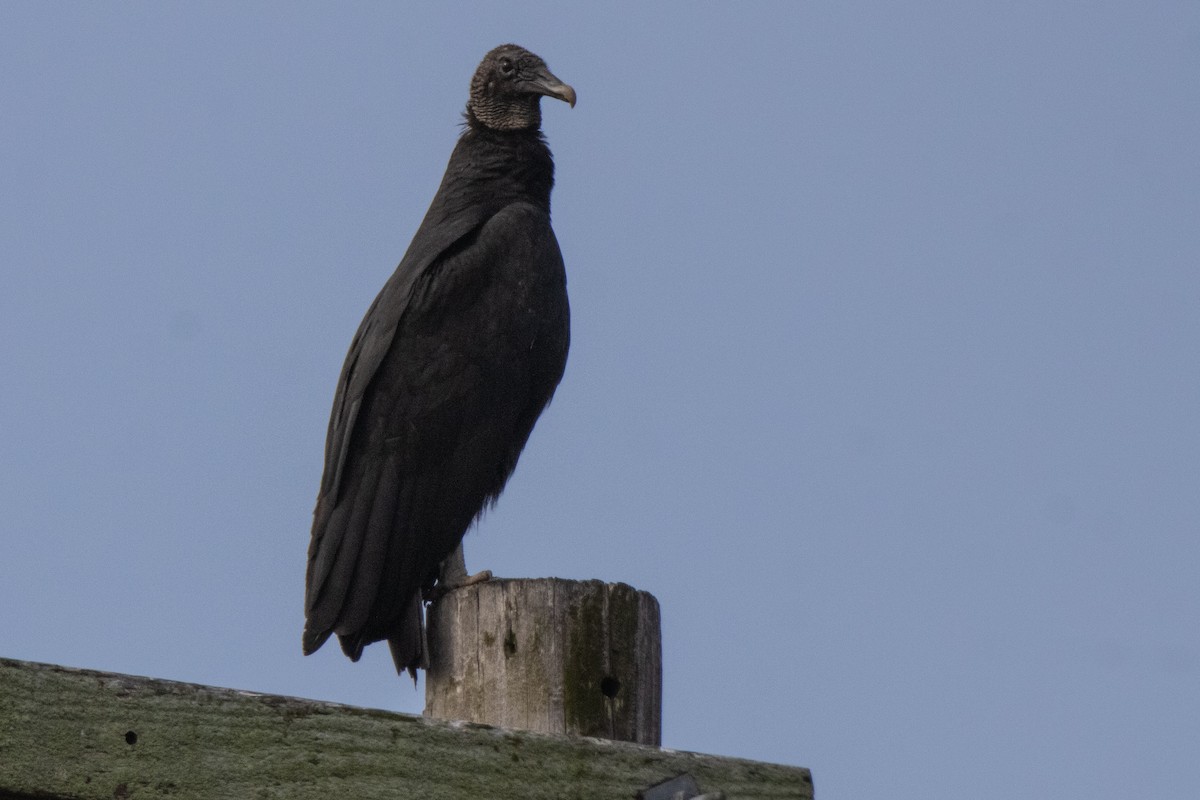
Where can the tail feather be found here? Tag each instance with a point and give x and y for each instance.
(314, 639)
(407, 642)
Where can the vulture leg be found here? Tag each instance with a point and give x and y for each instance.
(453, 573)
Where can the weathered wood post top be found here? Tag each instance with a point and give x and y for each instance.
(548, 655)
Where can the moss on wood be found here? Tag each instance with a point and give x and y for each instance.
(84, 735)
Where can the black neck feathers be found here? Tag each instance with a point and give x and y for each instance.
(492, 168)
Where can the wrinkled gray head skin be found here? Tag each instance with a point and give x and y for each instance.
(508, 86)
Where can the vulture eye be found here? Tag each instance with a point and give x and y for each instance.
(506, 66)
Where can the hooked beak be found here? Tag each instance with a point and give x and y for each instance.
(544, 83)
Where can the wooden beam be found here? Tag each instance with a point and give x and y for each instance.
(84, 735)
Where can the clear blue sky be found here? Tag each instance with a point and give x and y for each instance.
(885, 374)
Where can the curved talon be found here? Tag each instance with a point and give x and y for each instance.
(444, 588)
(483, 576)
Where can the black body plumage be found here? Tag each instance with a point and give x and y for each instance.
(450, 369)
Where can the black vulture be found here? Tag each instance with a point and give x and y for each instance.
(450, 369)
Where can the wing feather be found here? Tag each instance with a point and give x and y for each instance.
(337, 535)
(427, 424)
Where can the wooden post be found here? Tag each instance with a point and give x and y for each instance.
(548, 655)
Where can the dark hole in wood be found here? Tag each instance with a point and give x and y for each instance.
(510, 644)
(609, 686)
(130, 737)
